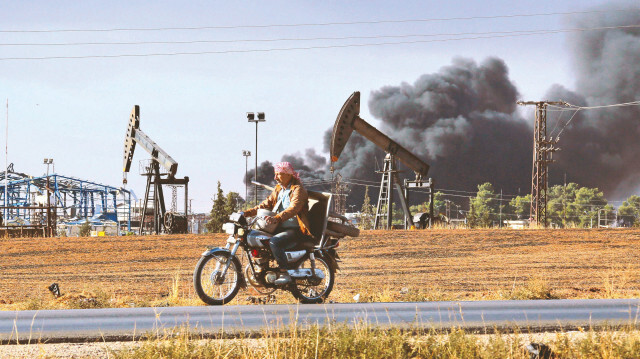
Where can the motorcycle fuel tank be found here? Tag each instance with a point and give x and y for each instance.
(257, 238)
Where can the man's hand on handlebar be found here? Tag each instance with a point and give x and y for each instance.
(270, 220)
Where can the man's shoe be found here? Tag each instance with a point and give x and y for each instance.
(284, 278)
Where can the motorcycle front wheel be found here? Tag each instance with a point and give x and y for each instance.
(312, 290)
(210, 285)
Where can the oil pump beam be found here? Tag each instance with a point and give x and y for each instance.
(349, 120)
(136, 135)
(156, 153)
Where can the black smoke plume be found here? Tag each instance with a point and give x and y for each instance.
(310, 167)
(464, 123)
(461, 121)
(265, 174)
(601, 147)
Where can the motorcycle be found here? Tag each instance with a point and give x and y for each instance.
(218, 276)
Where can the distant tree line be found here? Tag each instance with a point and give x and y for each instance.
(568, 205)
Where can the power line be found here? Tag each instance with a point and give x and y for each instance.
(557, 123)
(417, 189)
(494, 197)
(376, 184)
(318, 47)
(632, 103)
(186, 42)
(576, 109)
(565, 125)
(372, 22)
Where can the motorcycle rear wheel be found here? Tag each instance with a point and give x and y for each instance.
(210, 287)
(308, 292)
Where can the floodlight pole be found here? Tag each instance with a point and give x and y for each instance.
(251, 118)
(48, 161)
(6, 170)
(246, 155)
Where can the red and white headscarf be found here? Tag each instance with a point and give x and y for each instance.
(285, 167)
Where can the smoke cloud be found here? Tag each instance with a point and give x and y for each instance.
(310, 167)
(601, 147)
(463, 121)
(266, 174)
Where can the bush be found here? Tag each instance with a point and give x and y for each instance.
(85, 229)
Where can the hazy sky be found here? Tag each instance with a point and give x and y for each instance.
(75, 110)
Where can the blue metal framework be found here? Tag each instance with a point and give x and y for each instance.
(73, 198)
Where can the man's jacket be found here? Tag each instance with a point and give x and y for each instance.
(299, 206)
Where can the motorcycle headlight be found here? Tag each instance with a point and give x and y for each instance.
(229, 228)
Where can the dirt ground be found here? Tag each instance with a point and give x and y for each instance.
(379, 265)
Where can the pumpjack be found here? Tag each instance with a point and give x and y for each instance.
(163, 221)
(349, 120)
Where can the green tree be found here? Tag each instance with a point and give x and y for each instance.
(218, 212)
(472, 216)
(559, 208)
(233, 203)
(629, 211)
(397, 215)
(520, 206)
(439, 205)
(587, 203)
(483, 208)
(569, 205)
(367, 212)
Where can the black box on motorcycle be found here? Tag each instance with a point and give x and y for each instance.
(318, 211)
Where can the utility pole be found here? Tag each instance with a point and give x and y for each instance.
(500, 206)
(246, 155)
(6, 166)
(340, 191)
(564, 202)
(543, 149)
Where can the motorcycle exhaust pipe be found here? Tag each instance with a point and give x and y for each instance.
(305, 273)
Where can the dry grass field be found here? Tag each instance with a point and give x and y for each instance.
(395, 265)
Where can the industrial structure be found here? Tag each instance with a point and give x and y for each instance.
(153, 205)
(543, 149)
(46, 205)
(349, 120)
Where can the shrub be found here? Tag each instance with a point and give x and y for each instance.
(85, 229)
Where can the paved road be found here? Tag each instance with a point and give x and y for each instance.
(119, 324)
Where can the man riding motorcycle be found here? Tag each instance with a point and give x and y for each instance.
(289, 200)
